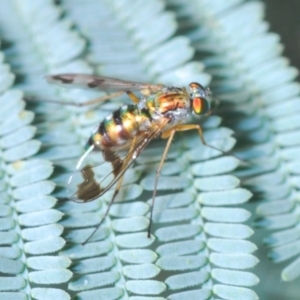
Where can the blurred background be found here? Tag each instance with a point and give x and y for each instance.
(284, 18)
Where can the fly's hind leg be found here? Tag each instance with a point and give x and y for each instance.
(119, 184)
(118, 187)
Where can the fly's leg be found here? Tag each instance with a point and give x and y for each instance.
(117, 189)
(170, 137)
(169, 134)
(186, 127)
(119, 184)
(133, 97)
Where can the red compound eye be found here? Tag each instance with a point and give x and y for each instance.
(197, 105)
(200, 106)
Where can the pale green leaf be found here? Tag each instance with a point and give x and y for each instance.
(233, 261)
(50, 276)
(291, 272)
(186, 280)
(10, 252)
(223, 230)
(188, 262)
(45, 231)
(22, 151)
(235, 277)
(285, 252)
(168, 234)
(10, 266)
(44, 246)
(229, 292)
(48, 262)
(39, 173)
(180, 248)
(175, 215)
(230, 197)
(92, 281)
(166, 183)
(92, 265)
(224, 182)
(19, 136)
(88, 250)
(146, 287)
(49, 293)
(134, 240)
(13, 295)
(11, 283)
(33, 190)
(13, 123)
(231, 245)
(138, 256)
(230, 215)
(142, 271)
(42, 217)
(202, 294)
(36, 204)
(106, 293)
(215, 166)
(147, 298)
(130, 224)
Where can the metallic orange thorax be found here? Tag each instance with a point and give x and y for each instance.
(117, 130)
(168, 100)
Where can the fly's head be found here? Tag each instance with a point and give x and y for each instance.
(199, 97)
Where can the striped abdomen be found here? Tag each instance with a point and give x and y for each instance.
(118, 129)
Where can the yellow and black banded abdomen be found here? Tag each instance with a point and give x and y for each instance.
(119, 128)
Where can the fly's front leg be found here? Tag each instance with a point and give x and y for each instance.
(186, 127)
(169, 134)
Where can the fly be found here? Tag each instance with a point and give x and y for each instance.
(121, 137)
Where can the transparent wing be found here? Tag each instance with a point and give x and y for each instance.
(86, 81)
(96, 172)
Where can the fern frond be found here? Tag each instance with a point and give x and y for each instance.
(198, 235)
(29, 230)
(257, 84)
